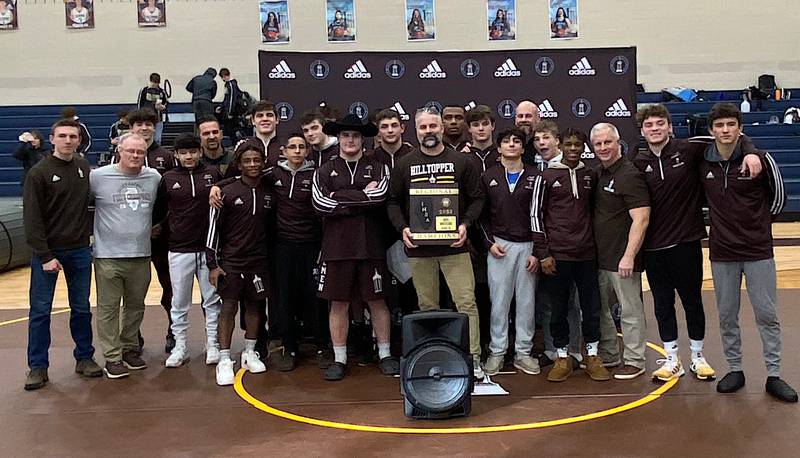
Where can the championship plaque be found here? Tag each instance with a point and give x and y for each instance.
(433, 214)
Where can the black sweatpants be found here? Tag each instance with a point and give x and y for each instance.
(295, 294)
(159, 258)
(679, 268)
(582, 274)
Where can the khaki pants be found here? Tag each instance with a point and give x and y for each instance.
(457, 270)
(127, 279)
(628, 291)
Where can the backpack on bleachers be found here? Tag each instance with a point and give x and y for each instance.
(791, 116)
(679, 94)
(243, 104)
(766, 84)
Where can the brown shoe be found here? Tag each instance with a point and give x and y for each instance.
(628, 372)
(562, 369)
(595, 369)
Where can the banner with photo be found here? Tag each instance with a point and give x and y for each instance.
(275, 27)
(563, 19)
(8, 15)
(79, 14)
(340, 16)
(502, 18)
(420, 20)
(151, 13)
(365, 82)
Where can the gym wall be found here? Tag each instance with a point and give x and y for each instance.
(712, 44)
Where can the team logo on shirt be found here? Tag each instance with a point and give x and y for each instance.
(610, 187)
(357, 71)
(582, 68)
(619, 65)
(401, 111)
(132, 196)
(238, 201)
(176, 185)
(281, 71)
(433, 71)
(395, 69)
(319, 69)
(546, 110)
(618, 110)
(470, 68)
(544, 66)
(581, 107)
(507, 108)
(359, 109)
(507, 70)
(285, 111)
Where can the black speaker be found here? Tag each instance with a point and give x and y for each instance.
(436, 366)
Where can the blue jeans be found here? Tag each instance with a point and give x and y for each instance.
(159, 131)
(77, 266)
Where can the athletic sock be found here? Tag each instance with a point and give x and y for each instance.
(697, 348)
(591, 348)
(384, 350)
(249, 344)
(672, 350)
(562, 352)
(340, 354)
(225, 354)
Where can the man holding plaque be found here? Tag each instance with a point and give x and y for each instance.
(434, 196)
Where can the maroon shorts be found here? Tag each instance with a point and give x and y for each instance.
(347, 281)
(250, 287)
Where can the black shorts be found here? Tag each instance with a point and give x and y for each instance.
(351, 280)
(250, 287)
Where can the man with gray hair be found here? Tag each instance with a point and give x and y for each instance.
(621, 215)
(124, 195)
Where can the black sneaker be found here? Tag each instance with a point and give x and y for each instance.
(731, 383)
(36, 379)
(389, 366)
(286, 361)
(169, 343)
(88, 368)
(335, 371)
(133, 361)
(141, 340)
(115, 369)
(781, 390)
(544, 360)
(324, 358)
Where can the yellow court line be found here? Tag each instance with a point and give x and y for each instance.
(652, 396)
(25, 318)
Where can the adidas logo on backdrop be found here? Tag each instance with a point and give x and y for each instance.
(546, 110)
(618, 110)
(282, 72)
(470, 105)
(582, 68)
(399, 109)
(507, 70)
(433, 71)
(357, 71)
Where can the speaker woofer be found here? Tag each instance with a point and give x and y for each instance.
(436, 377)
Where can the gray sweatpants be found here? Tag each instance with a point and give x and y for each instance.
(508, 279)
(762, 291)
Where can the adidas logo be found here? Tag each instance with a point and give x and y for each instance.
(56, 178)
(493, 183)
(80, 173)
(402, 112)
(470, 105)
(546, 110)
(238, 201)
(648, 169)
(710, 176)
(279, 183)
(507, 70)
(334, 174)
(433, 71)
(582, 68)
(176, 185)
(557, 184)
(618, 110)
(282, 72)
(357, 71)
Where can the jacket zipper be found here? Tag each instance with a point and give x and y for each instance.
(291, 186)
(661, 168)
(254, 201)
(725, 176)
(353, 173)
(191, 179)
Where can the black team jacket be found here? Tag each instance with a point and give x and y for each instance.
(507, 214)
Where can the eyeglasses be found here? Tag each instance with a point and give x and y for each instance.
(137, 152)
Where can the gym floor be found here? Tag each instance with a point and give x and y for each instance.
(182, 412)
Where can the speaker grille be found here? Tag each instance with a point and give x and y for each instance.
(436, 377)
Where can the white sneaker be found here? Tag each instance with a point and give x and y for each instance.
(670, 369)
(225, 374)
(212, 354)
(477, 370)
(251, 362)
(178, 357)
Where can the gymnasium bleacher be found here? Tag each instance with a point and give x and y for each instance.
(781, 140)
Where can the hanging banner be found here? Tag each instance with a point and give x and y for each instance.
(79, 14)
(151, 13)
(573, 87)
(8, 15)
(502, 17)
(274, 15)
(563, 19)
(420, 20)
(341, 20)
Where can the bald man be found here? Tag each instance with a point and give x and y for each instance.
(526, 118)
